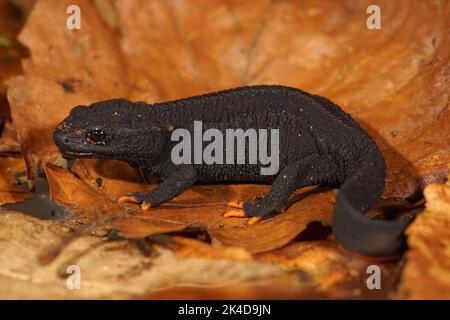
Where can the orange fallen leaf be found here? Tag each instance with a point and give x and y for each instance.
(426, 274)
(161, 55)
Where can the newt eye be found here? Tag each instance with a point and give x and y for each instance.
(96, 136)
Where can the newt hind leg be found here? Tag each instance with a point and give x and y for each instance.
(311, 170)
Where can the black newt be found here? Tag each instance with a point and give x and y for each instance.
(319, 144)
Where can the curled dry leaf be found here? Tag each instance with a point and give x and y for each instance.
(427, 272)
(118, 269)
(110, 269)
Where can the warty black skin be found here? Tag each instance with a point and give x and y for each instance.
(319, 144)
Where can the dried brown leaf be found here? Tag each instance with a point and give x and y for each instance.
(115, 269)
(427, 271)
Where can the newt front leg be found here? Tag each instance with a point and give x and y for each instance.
(180, 178)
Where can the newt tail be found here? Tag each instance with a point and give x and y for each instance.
(359, 192)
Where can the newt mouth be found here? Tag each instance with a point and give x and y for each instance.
(72, 154)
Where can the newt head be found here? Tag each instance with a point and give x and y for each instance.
(112, 129)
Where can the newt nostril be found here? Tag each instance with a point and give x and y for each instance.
(59, 137)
